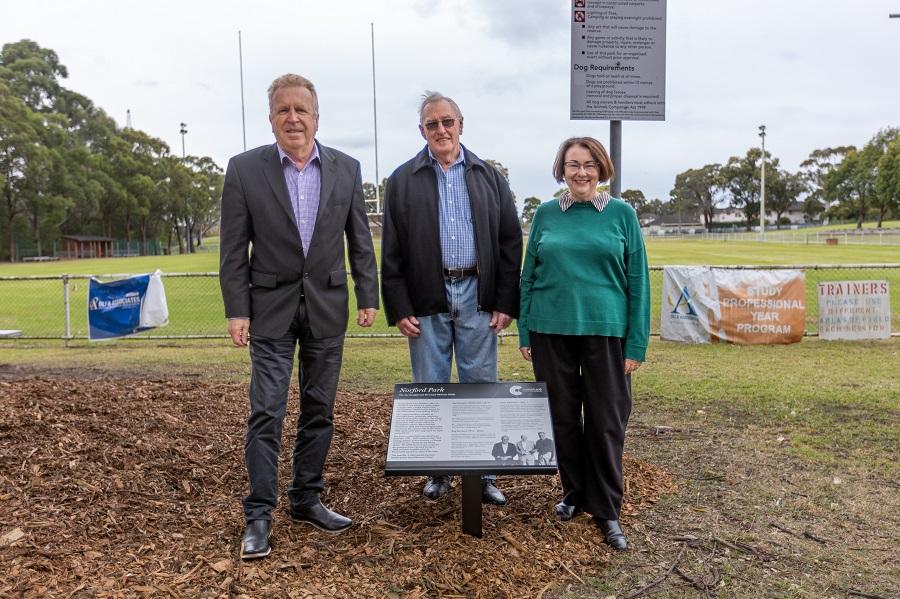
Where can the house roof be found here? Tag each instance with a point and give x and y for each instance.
(687, 220)
(88, 238)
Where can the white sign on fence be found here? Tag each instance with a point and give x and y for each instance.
(854, 310)
(618, 60)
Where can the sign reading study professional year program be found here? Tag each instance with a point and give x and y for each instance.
(618, 60)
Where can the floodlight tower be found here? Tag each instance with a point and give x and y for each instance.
(183, 132)
(762, 184)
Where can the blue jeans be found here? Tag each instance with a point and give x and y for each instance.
(464, 332)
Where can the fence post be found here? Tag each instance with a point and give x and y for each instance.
(67, 306)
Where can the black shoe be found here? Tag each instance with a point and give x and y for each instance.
(321, 517)
(436, 487)
(613, 534)
(255, 543)
(491, 494)
(565, 512)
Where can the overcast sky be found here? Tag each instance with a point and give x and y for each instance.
(817, 73)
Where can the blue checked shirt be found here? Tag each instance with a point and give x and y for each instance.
(304, 186)
(455, 214)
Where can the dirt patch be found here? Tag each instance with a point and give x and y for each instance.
(124, 487)
(752, 519)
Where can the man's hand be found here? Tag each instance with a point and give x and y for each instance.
(499, 321)
(366, 317)
(239, 329)
(631, 365)
(409, 326)
(526, 353)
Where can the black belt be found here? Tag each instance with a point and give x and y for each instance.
(460, 273)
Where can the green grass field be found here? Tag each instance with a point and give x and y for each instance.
(36, 306)
(888, 224)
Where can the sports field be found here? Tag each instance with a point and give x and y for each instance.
(36, 306)
(783, 458)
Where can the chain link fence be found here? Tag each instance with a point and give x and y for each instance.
(55, 307)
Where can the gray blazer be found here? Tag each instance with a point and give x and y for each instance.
(266, 283)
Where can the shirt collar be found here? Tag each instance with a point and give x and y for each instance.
(599, 201)
(460, 159)
(283, 155)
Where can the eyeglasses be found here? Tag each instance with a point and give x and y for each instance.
(447, 123)
(589, 167)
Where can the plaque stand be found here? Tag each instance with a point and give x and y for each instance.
(471, 504)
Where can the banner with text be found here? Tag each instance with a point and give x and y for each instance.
(854, 310)
(126, 306)
(720, 305)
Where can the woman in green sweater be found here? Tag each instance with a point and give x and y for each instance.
(584, 323)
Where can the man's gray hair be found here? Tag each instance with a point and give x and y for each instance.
(430, 97)
(291, 80)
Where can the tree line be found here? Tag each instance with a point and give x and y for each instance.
(843, 182)
(66, 168)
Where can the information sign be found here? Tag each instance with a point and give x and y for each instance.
(618, 60)
(446, 428)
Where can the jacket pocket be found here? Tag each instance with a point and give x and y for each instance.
(337, 278)
(263, 279)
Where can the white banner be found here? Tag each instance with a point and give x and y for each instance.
(854, 310)
(717, 305)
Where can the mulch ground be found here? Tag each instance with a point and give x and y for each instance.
(125, 488)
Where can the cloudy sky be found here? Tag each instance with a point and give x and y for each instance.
(817, 73)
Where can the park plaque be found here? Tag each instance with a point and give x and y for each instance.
(470, 430)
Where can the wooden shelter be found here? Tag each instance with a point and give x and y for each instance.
(86, 246)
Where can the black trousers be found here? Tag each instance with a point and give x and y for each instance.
(590, 402)
(272, 363)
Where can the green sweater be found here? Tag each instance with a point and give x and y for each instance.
(585, 273)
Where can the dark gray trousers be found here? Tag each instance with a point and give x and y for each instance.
(590, 402)
(272, 362)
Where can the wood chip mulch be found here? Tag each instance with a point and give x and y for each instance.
(131, 488)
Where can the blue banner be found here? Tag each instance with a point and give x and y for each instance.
(121, 308)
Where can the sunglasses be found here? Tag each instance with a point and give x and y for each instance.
(447, 123)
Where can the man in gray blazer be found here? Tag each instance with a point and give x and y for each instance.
(286, 209)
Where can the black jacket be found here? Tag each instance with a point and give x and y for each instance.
(265, 285)
(412, 278)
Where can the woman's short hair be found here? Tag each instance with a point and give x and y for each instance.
(598, 153)
(291, 80)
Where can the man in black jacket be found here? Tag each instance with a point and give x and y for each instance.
(451, 254)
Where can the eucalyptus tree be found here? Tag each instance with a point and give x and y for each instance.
(852, 184)
(636, 198)
(700, 189)
(529, 206)
(740, 179)
(781, 191)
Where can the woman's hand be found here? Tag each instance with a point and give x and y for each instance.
(631, 365)
(526, 353)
